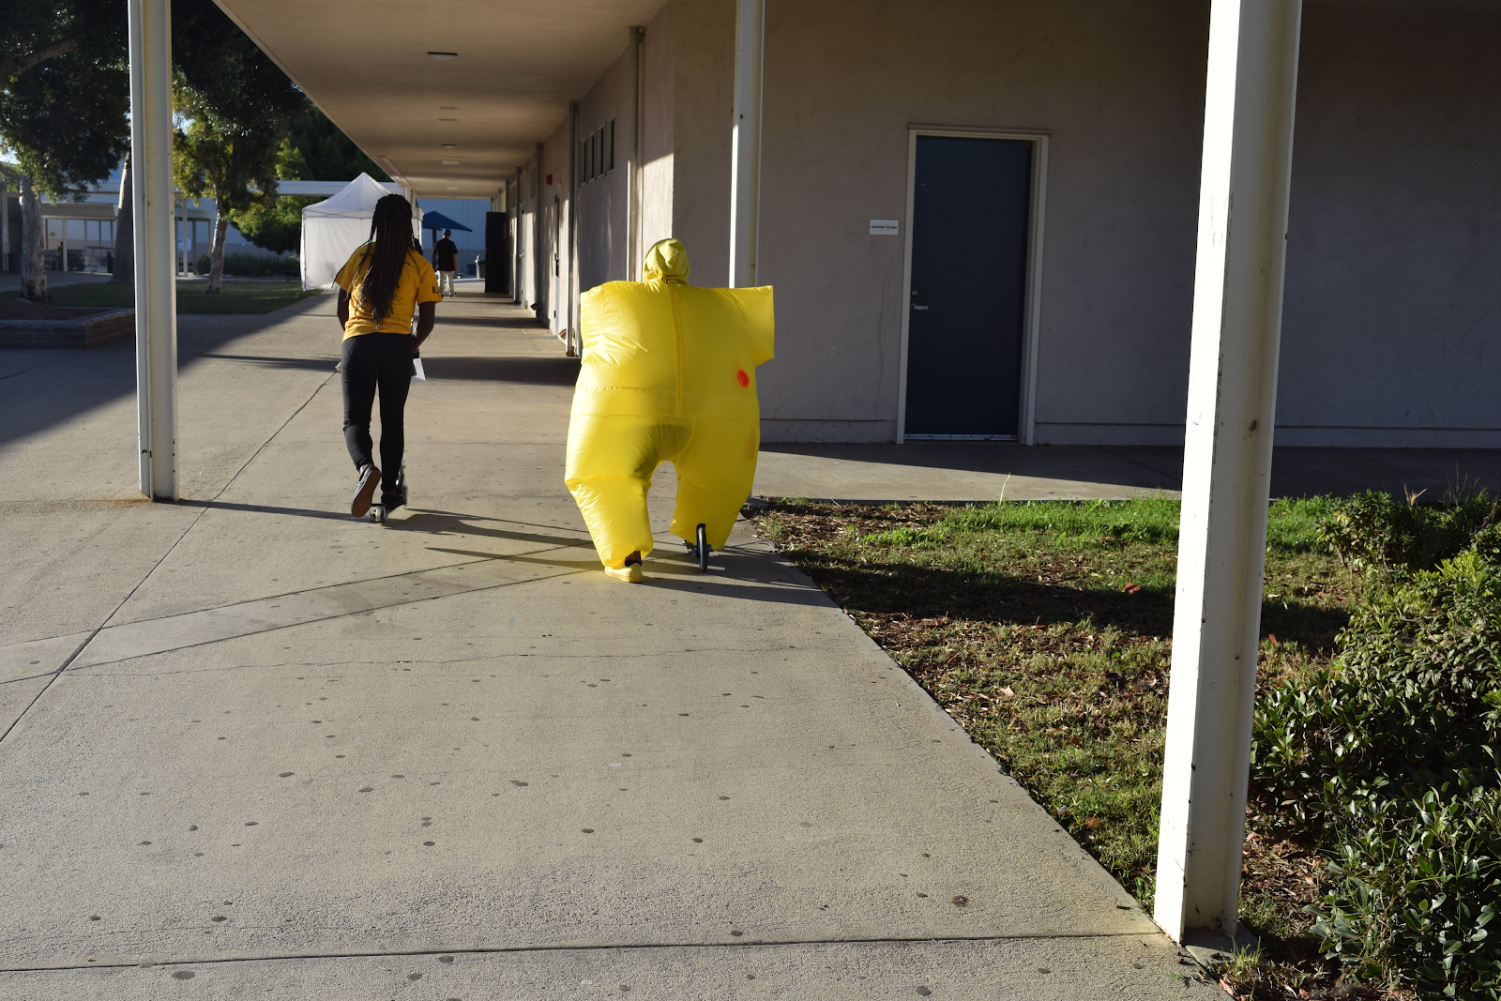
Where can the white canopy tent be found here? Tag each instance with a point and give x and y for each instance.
(334, 227)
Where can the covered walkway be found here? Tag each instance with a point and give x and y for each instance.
(254, 748)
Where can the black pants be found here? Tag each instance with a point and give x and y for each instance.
(371, 361)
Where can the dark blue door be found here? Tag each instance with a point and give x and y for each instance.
(970, 214)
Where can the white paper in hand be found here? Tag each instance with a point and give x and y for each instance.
(417, 374)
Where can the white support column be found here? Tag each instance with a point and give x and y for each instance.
(150, 24)
(745, 143)
(517, 236)
(1232, 393)
(633, 252)
(574, 344)
(539, 268)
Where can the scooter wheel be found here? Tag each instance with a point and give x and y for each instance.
(703, 549)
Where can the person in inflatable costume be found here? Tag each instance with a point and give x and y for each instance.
(668, 376)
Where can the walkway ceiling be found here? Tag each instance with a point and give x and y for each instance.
(518, 63)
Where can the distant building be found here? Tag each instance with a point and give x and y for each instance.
(81, 235)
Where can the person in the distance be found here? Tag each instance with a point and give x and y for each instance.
(380, 286)
(446, 260)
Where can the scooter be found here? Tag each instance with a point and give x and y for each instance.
(701, 550)
(379, 512)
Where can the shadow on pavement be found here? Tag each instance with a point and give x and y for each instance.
(509, 322)
(1296, 471)
(539, 371)
(451, 523)
(270, 361)
(299, 512)
(1146, 468)
(738, 580)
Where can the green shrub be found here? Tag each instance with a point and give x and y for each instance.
(257, 265)
(1413, 702)
(1378, 531)
(1391, 757)
(247, 265)
(1415, 893)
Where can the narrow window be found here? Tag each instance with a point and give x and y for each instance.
(612, 145)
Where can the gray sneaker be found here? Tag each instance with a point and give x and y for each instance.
(364, 490)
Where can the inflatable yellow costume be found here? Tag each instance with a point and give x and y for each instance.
(668, 376)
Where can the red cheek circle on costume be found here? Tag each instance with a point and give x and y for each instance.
(742, 378)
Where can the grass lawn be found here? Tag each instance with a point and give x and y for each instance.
(235, 297)
(1045, 629)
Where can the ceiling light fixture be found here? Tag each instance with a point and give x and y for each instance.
(449, 163)
(448, 107)
(448, 119)
(443, 56)
(453, 187)
(449, 145)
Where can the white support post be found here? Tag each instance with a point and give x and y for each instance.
(518, 234)
(574, 345)
(745, 143)
(633, 251)
(150, 23)
(539, 267)
(1227, 461)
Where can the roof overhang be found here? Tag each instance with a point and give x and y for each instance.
(518, 63)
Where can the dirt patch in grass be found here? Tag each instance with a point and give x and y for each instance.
(1045, 630)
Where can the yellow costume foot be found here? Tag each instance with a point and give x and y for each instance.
(630, 574)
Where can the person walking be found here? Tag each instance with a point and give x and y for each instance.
(446, 260)
(380, 286)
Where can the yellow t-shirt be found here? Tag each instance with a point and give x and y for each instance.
(417, 285)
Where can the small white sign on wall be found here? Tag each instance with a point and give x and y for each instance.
(883, 227)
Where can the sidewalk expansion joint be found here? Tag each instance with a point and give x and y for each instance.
(609, 947)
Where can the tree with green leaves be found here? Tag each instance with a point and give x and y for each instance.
(315, 150)
(320, 151)
(236, 167)
(236, 105)
(64, 95)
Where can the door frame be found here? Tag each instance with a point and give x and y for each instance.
(1027, 417)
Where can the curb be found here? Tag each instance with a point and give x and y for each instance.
(77, 333)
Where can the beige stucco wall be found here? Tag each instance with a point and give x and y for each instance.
(1392, 320)
(688, 61)
(659, 90)
(1118, 86)
(603, 202)
(1394, 245)
(703, 37)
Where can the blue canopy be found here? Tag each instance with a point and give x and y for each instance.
(437, 220)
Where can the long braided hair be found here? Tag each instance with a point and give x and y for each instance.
(385, 253)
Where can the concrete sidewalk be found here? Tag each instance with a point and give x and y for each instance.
(253, 747)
